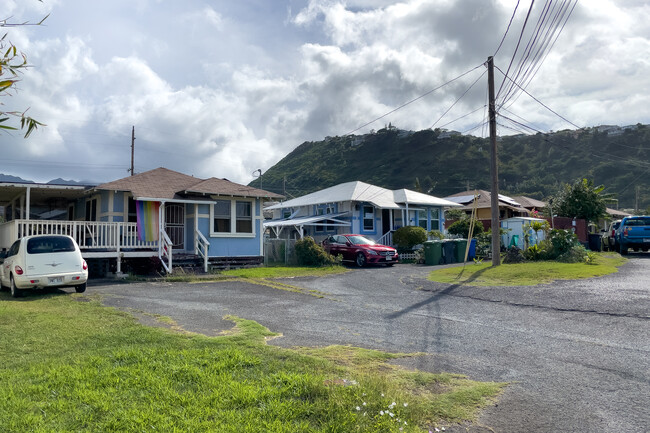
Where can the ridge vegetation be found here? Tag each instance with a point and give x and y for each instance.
(442, 163)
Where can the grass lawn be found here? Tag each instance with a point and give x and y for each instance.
(69, 364)
(527, 274)
(261, 272)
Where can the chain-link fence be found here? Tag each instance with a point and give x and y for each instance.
(279, 252)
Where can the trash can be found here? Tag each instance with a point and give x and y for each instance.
(432, 253)
(595, 243)
(448, 251)
(472, 250)
(461, 246)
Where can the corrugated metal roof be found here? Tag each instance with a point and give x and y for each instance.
(364, 192)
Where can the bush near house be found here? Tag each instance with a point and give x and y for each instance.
(407, 237)
(309, 253)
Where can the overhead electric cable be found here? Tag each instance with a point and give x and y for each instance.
(459, 98)
(507, 29)
(538, 101)
(415, 99)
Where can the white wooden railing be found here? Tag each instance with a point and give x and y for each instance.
(386, 239)
(88, 234)
(201, 249)
(165, 251)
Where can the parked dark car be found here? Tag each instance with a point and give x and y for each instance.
(360, 250)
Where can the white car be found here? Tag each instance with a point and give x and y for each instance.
(44, 261)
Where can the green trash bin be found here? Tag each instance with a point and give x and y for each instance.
(461, 245)
(432, 253)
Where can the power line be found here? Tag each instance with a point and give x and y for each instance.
(413, 100)
(459, 98)
(538, 101)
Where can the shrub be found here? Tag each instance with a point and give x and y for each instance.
(562, 241)
(461, 228)
(514, 255)
(575, 254)
(409, 236)
(437, 234)
(309, 253)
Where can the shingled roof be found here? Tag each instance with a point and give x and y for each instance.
(162, 183)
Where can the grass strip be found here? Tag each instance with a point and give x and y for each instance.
(78, 366)
(528, 273)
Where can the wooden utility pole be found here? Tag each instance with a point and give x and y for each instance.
(132, 150)
(494, 170)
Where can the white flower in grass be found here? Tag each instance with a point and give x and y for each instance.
(381, 412)
(406, 404)
(358, 408)
(391, 414)
(364, 403)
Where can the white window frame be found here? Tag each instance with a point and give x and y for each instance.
(363, 218)
(233, 219)
(434, 211)
(425, 219)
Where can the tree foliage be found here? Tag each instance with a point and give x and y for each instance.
(581, 199)
(13, 63)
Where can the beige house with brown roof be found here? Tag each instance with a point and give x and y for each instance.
(160, 213)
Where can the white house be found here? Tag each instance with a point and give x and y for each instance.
(356, 207)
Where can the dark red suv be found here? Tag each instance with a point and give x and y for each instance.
(360, 250)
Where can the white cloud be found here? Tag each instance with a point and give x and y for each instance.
(225, 89)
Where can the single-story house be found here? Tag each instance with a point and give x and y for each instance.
(508, 207)
(159, 213)
(356, 207)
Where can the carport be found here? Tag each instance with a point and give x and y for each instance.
(299, 223)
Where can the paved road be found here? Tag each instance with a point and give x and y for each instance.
(577, 354)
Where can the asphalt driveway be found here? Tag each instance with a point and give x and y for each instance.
(577, 354)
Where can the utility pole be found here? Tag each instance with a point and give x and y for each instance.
(494, 194)
(132, 150)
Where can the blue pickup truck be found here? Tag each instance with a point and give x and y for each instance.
(634, 232)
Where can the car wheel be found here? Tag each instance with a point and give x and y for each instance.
(623, 250)
(361, 260)
(15, 291)
(80, 288)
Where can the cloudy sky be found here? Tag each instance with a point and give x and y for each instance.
(223, 88)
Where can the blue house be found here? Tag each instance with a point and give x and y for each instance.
(159, 213)
(356, 207)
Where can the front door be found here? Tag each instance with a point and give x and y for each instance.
(385, 221)
(175, 225)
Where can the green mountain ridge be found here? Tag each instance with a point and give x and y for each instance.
(446, 163)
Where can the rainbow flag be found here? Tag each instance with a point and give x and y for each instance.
(147, 213)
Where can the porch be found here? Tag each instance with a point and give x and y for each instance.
(113, 240)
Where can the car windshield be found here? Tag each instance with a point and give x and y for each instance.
(360, 240)
(49, 244)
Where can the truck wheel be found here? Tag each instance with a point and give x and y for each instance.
(80, 288)
(15, 291)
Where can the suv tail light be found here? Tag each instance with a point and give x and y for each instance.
(18, 270)
(85, 265)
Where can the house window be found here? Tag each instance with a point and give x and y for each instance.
(422, 219)
(232, 217)
(368, 218)
(244, 217)
(435, 219)
(222, 216)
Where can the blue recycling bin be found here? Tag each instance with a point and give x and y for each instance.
(472, 250)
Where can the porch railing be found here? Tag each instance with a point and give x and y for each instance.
(202, 246)
(386, 239)
(88, 234)
(165, 251)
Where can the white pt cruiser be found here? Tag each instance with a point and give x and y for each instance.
(44, 261)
